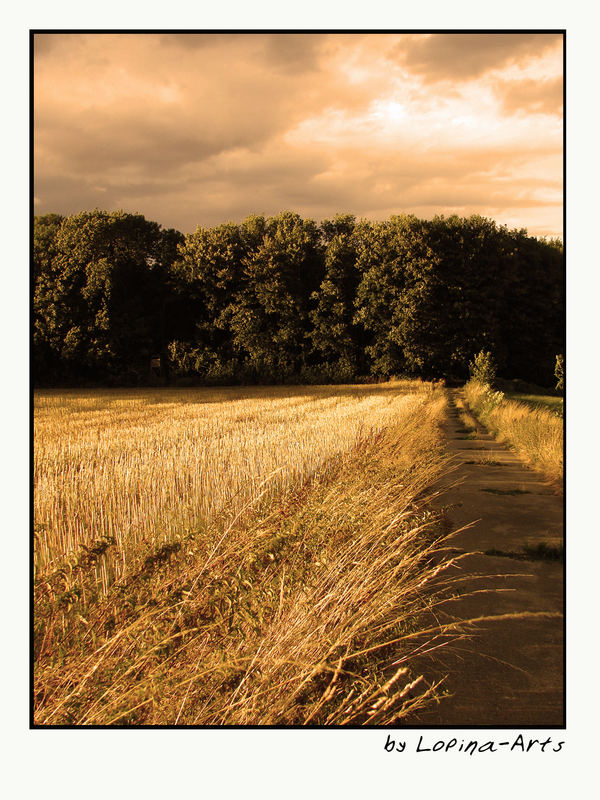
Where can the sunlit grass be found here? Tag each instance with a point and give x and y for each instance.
(535, 433)
(145, 466)
(298, 599)
(543, 401)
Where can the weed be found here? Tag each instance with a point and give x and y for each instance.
(541, 552)
(483, 368)
(506, 491)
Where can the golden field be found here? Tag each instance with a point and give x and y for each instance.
(248, 556)
(143, 466)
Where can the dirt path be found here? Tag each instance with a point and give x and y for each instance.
(510, 671)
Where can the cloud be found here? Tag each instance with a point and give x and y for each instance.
(294, 53)
(531, 96)
(145, 107)
(43, 44)
(464, 56)
(196, 41)
(285, 52)
(195, 129)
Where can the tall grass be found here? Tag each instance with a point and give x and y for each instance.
(543, 401)
(535, 433)
(303, 608)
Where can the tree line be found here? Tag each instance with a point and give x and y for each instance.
(283, 299)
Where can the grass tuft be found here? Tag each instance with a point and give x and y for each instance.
(512, 492)
(541, 552)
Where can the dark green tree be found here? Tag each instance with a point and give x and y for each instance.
(335, 338)
(46, 333)
(532, 308)
(210, 273)
(282, 299)
(393, 260)
(450, 296)
(101, 302)
(270, 319)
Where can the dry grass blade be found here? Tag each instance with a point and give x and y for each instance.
(290, 609)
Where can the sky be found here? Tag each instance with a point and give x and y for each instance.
(199, 129)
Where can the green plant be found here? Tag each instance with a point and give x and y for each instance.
(490, 399)
(559, 372)
(483, 368)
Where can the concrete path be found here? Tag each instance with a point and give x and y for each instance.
(509, 671)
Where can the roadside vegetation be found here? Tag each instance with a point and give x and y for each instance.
(242, 556)
(536, 396)
(534, 431)
(543, 401)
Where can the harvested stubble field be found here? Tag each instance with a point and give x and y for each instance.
(236, 556)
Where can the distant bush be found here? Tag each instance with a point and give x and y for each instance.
(341, 371)
(489, 399)
(483, 368)
(559, 372)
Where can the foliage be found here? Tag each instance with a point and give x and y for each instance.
(448, 302)
(559, 372)
(335, 338)
(270, 323)
(100, 295)
(282, 299)
(483, 368)
(386, 253)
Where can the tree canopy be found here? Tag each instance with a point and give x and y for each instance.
(282, 298)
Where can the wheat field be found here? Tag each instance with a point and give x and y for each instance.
(141, 467)
(237, 556)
